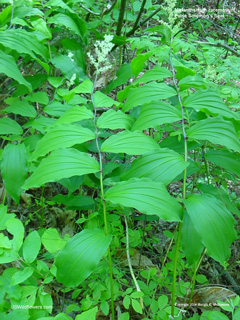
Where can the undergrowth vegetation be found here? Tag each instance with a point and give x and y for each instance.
(119, 160)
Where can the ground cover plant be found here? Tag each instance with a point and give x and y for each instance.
(119, 160)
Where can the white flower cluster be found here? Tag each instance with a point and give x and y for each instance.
(72, 79)
(70, 55)
(102, 49)
(172, 16)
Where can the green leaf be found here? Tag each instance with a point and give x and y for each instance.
(101, 100)
(123, 75)
(195, 81)
(213, 223)
(85, 87)
(26, 11)
(136, 306)
(4, 216)
(88, 315)
(31, 246)
(76, 201)
(52, 241)
(215, 130)
(15, 227)
(23, 42)
(162, 301)
(156, 73)
(129, 142)
(71, 21)
(156, 113)
(21, 276)
(82, 253)
(225, 159)
(72, 183)
(137, 63)
(9, 126)
(40, 97)
(208, 101)
(213, 315)
(61, 136)
(220, 194)
(56, 108)
(75, 114)
(67, 66)
(115, 120)
(62, 163)
(191, 241)
(14, 169)
(163, 30)
(8, 66)
(161, 165)
(152, 91)
(148, 197)
(21, 107)
(40, 25)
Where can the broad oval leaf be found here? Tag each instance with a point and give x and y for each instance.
(56, 108)
(161, 165)
(215, 130)
(115, 120)
(213, 223)
(156, 113)
(9, 67)
(82, 253)
(21, 276)
(147, 196)
(208, 101)
(225, 159)
(61, 136)
(75, 114)
(21, 107)
(31, 246)
(156, 73)
(14, 169)
(191, 241)
(23, 42)
(9, 126)
(102, 100)
(62, 163)
(195, 81)
(73, 22)
(152, 91)
(130, 143)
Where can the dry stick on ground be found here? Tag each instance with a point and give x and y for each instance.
(220, 45)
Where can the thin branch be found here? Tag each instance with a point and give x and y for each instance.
(137, 20)
(90, 11)
(106, 11)
(220, 45)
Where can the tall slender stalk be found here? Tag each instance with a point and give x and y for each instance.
(103, 198)
(184, 178)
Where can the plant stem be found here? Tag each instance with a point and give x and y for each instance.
(184, 176)
(175, 269)
(130, 264)
(103, 198)
(194, 276)
(120, 17)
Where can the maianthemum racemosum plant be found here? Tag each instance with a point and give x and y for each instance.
(78, 140)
